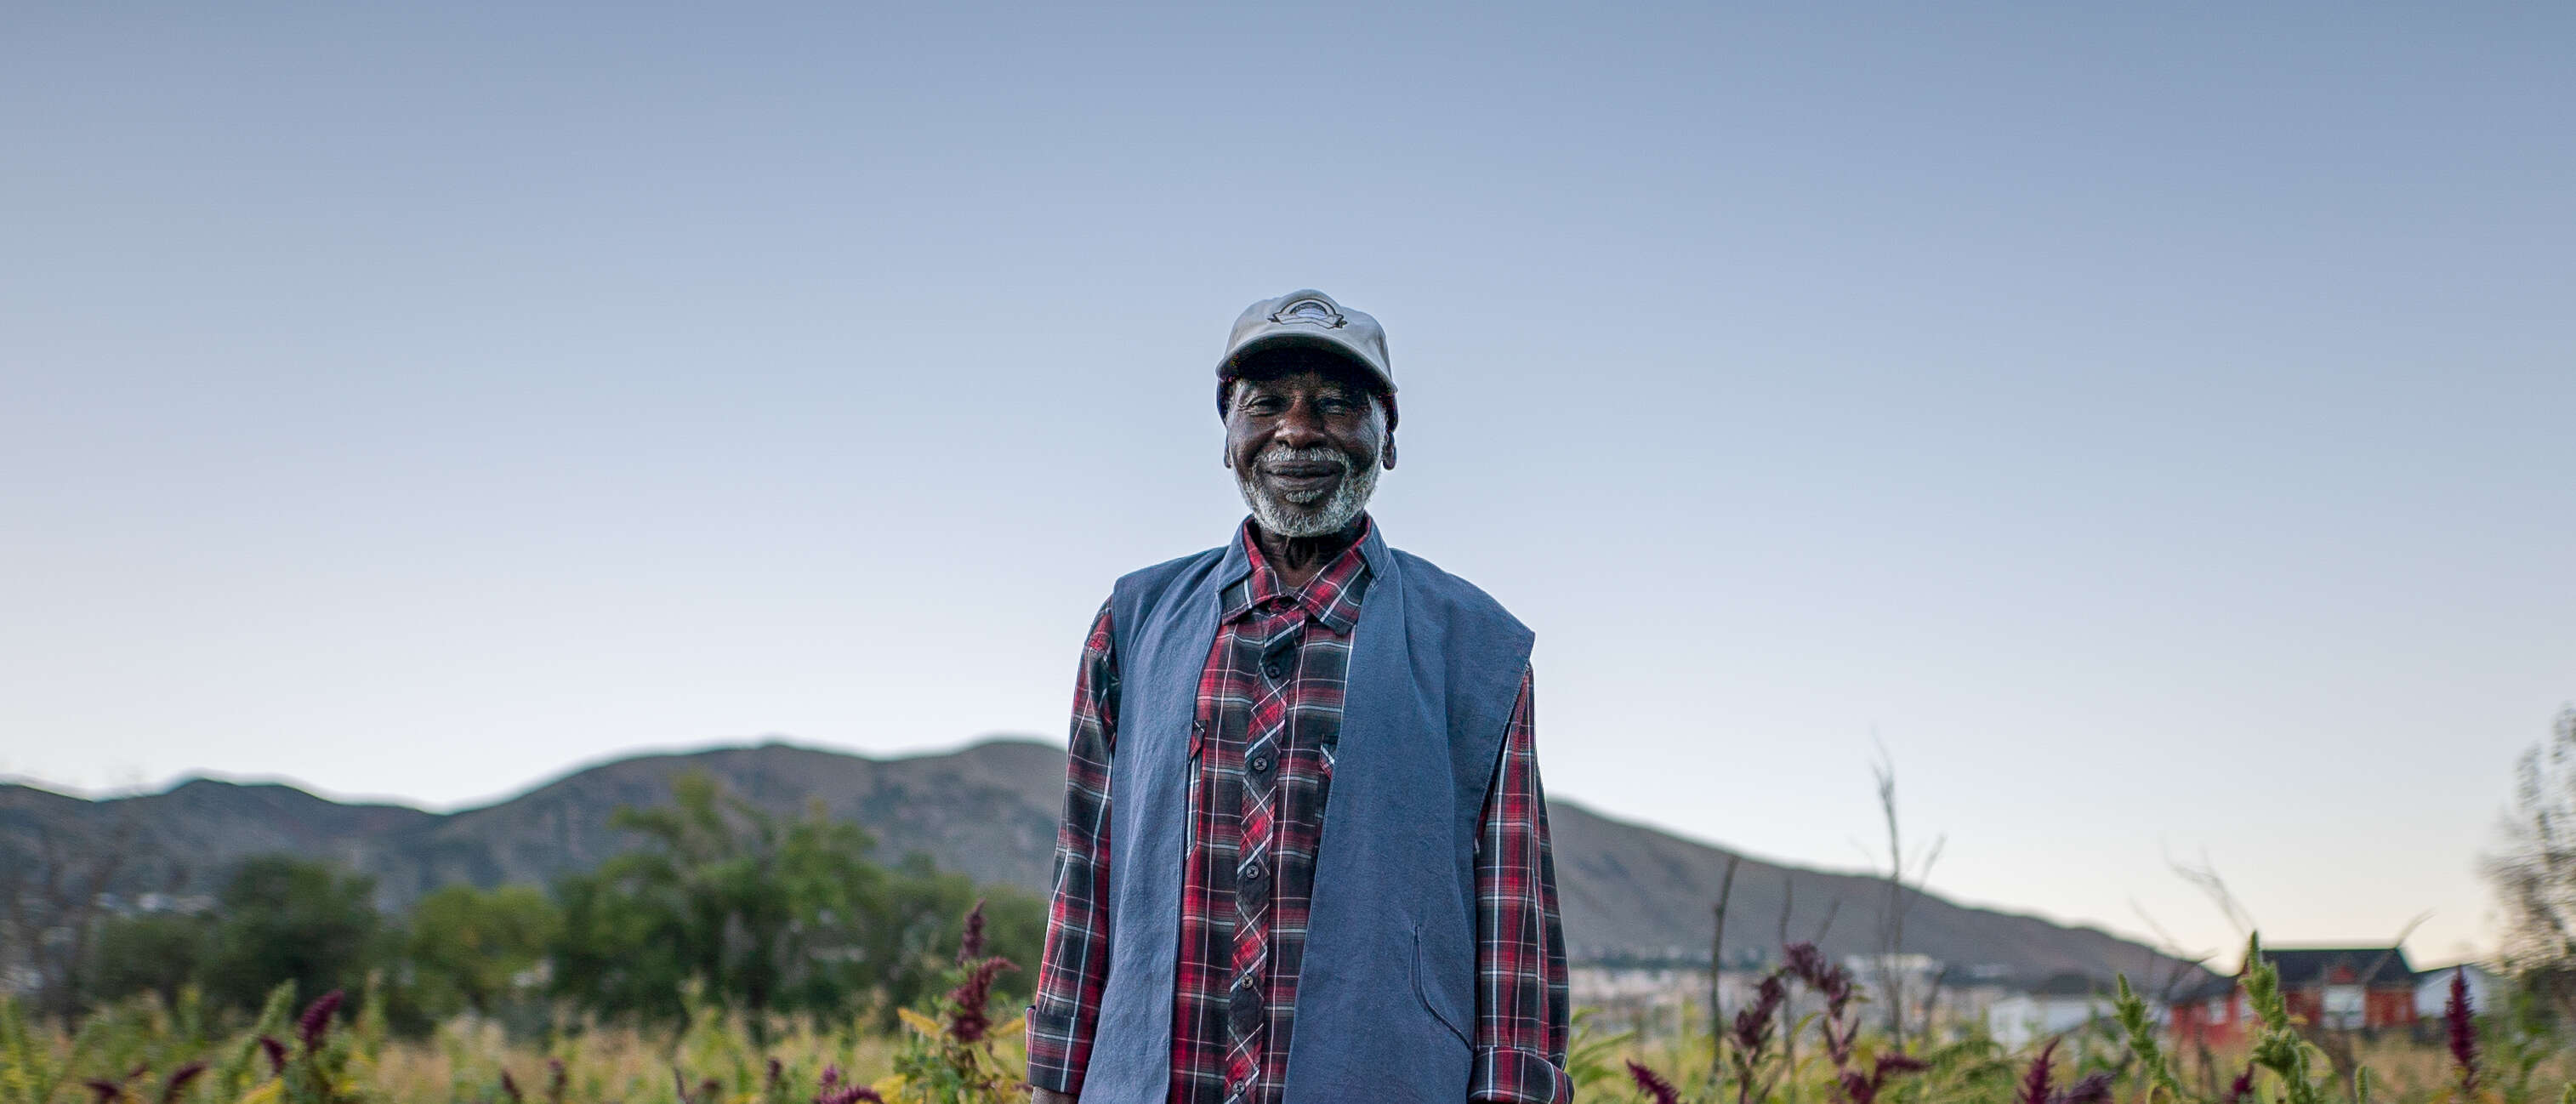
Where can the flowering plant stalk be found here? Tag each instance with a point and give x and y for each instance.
(2298, 1068)
(950, 1055)
(1757, 1067)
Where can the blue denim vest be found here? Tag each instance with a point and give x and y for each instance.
(1386, 1001)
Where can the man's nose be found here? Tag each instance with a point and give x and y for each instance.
(1299, 426)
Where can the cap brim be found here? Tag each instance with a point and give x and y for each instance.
(1309, 340)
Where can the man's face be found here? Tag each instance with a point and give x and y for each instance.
(1306, 447)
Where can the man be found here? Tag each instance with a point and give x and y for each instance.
(1304, 857)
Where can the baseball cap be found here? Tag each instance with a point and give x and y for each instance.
(1310, 319)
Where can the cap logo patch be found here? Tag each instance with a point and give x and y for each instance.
(1310, 311)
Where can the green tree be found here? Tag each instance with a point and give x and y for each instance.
(150, 953)
(769, 914)
(465, 949)
(918, 922)
(286, 919)
(765, 914)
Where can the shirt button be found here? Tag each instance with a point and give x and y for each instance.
(1260, 764)
(1274, 670)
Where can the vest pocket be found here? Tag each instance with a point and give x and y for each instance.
(1422, 994)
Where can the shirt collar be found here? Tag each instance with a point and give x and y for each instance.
(1331, 597)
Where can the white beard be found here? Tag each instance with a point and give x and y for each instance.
(1312, 513)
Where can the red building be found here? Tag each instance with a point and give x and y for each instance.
(2346, 988)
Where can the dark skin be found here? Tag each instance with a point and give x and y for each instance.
(1300, 408)
(1303, 409)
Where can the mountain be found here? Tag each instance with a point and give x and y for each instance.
(990, 811)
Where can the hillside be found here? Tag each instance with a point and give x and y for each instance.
(990, 811)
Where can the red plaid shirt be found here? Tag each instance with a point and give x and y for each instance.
(1248, 827)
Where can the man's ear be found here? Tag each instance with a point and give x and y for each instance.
(1386, 455)
(1225, 416)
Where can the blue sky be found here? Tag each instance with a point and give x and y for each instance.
(2152, 426)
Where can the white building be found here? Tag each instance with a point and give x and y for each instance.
(2058, 1005)
(2433, 989)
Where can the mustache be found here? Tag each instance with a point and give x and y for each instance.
(1318, 454)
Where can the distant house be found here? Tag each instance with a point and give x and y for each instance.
(2210, 1014)
(2433, 989)
(2347, 988)
(2059, 1004)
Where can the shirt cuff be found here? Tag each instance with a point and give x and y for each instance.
(1053, 1063)
(1510, 1075)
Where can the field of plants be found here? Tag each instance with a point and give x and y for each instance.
(743, 958)
(962, 1048)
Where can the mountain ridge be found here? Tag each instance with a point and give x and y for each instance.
(988, 809)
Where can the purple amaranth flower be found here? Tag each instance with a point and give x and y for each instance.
(1804, 961)
(769, 1077)
(177, 1082)
(2035, 1084)
(555, 1081)
(2094, 1088)
(1837, 988)
(1863, 1089)
(1839, 1036)
(108, 1092)
(833, 1092)
(276, 1052)
(510, 1088)
(315, 1024)
(706, 1092)
(969, 1023)
(1653, 1084)
(1855, 1088)
(2462, 1025)
(1753, 1024)
(2242, 1087)
(971, 946)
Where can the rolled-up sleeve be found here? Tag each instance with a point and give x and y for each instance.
(1523, 1016)
(1075, 966)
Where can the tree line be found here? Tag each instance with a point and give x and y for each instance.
(724, 906)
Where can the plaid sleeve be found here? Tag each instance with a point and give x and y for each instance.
(1076, 962)
(1522, 1012)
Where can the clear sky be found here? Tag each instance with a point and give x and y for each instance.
(2153, 425)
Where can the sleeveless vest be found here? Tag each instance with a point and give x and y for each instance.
(1386, 999)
